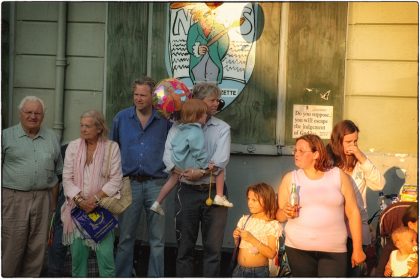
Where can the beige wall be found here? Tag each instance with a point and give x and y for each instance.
(36, 47)
(382, 75)
(381, 90)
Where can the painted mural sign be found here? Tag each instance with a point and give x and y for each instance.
(316, 120)
(212, 42)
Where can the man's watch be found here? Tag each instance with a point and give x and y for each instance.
(203, 172)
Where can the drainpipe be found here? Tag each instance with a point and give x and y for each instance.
(60, 67)
(12, 29)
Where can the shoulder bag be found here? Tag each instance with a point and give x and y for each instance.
(117, 206)
(234, 260)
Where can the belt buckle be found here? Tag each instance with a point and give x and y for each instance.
(140, 178)
(143, 178)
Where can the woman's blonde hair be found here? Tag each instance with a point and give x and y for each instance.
(99, 120)
(192, 110)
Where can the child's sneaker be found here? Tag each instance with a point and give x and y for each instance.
(222, 201)
(157, 208)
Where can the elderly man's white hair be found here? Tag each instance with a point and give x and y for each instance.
(32, 99)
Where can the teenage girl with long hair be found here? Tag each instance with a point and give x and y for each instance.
(344, 152)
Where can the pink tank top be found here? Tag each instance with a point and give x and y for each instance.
(320, 225)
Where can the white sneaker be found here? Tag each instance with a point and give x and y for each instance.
(222, 201)
(156, 207)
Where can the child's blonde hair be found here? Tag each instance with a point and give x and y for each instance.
(396, 234)
(266, 193)
(192, 110)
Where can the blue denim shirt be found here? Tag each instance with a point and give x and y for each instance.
(141, 149)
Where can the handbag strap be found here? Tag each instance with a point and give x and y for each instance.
(249, 216)
(243, 227)
(108, 162)
(235, 254)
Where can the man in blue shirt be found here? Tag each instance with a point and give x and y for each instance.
(141, 133)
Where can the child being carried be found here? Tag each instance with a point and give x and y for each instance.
(188, 151)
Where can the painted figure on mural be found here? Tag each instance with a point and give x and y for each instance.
(212, 42)
(207, 44)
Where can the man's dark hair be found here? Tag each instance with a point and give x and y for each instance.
(144, 80)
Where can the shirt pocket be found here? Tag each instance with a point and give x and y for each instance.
(48, 165)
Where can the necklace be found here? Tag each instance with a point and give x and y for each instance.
(90, 150)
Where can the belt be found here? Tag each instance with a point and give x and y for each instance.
(142, 178)
(201, 187)
(26, 191)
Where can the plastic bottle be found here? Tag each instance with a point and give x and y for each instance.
(382, 201)
(294, 199)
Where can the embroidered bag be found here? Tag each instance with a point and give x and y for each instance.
(94, 225)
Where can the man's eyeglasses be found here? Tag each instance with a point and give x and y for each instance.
(30, 113)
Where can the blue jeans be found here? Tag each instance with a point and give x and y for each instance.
(144, 194)
(245, 272)
(191, 213)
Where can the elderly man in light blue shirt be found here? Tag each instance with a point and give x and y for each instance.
(194, 189)
(31, 163)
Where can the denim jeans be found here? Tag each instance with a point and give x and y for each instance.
(191, 213)
(144, 194)
(255, 272)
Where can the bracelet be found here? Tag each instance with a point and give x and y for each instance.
(98, 200)
(78, 199)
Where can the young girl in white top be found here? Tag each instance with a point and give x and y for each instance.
(257, 233)
(405, 239)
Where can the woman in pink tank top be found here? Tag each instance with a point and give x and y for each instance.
(315, 230)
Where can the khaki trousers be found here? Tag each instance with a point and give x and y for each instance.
(24, 231)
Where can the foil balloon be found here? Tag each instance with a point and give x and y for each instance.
(169, 95)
